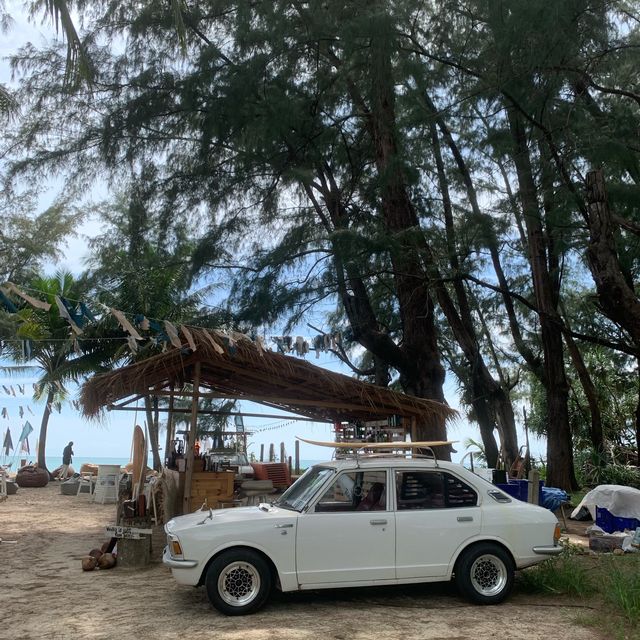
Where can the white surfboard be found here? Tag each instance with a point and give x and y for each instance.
(358, 444)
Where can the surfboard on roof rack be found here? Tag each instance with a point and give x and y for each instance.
(378, 445)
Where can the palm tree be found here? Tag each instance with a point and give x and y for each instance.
(47, 340)
(141, 265)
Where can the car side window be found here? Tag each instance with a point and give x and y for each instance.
(355, 491)
(432, 490)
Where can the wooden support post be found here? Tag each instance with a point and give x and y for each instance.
(297, 457)
(192, 440)
(272, 452)
(262, 453)
(169, 438)
(289, 462)
(283, 457)
(534, 487)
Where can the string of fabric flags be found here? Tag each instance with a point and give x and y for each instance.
(274, 427)
(23, 440)
(10, 390)
(301, 346)
(78, 315)
(4, 412)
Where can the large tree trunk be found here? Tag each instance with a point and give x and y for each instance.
(42, 439)
(597, 438)
(560, 472)
(488, 397)
(637, 421)
(423, 374)
(616, 293)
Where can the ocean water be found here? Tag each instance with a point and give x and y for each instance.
(55, 461)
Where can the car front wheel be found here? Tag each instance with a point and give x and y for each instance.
(484, 574)
(238, 582)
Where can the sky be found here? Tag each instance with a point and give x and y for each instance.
(111, 437)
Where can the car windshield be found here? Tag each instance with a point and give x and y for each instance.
(297, 496)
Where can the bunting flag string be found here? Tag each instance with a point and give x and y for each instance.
(125, 324)
(26, 430)
(64, 313)
(173, 334)
(274, 427)
(77, 313)
(6, 303)
(7, 444)
(187, 334)
(34, 302)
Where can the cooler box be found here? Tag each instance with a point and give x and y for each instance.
(610, 523)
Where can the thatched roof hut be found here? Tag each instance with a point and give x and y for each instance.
(234, 366)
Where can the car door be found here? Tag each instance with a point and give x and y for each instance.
(436, 512)
(349, 534)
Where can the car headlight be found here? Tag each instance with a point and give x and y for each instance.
(175, 548)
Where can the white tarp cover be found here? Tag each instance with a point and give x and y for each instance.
(618, 500)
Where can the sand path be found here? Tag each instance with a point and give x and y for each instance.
(44, 594)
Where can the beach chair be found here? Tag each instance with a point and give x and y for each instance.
(86, 480)
(107, 483)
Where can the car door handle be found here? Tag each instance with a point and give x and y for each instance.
(465, 518)
(377, 522)
(284, 526)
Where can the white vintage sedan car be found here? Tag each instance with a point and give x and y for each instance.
(362, 522)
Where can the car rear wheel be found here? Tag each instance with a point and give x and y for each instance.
(238, 582)
(484, 574)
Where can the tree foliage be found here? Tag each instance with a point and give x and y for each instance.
(415, 172)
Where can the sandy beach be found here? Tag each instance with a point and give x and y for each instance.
(44, 594)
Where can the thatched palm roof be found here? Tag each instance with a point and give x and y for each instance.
(234, 366)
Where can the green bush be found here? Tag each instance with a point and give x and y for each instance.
(592, 469)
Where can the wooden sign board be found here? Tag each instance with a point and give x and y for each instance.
(130, 533)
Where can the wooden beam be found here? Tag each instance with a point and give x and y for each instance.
(346, 406)
(209, 412)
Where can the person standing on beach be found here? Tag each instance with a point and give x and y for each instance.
(67, 452)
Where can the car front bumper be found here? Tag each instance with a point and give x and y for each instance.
(172, 563)
(554, 550)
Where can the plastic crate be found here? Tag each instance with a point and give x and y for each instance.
(519, 489)
(512, 489)
(610, 523)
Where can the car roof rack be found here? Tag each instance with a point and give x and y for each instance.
(360, 452)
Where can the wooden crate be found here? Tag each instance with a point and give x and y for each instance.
(211, 488)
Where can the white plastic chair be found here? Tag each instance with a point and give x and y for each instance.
(86, 480)
(107, 483)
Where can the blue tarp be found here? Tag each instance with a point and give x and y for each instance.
(551, 498)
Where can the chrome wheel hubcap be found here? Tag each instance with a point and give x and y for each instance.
(238, 583)
(488, 575)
